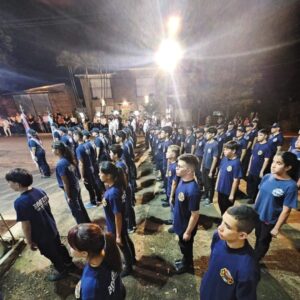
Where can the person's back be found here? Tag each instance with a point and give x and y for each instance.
(101, 283)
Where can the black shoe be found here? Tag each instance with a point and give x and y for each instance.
(166, 204)
(169, 222)
(57, 276)
(165, 200)
(250, 201)
(181, 268)
(178, 262)
(171, 230)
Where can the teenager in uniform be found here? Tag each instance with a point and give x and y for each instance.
(172, 180)
(101, 275)
(230, 133)
(87, 170)
(293, 141)
(38, 153)
(66, 138)
(249, 139)
(241, 142)
(114, 207)
(277, 196)
(66, 174)
(159, 156)
(116, 153)
(209, 164)
(230, 173)
(38, 224)
(261, 154)
(199, 151)
(190, 141)
(220, 138)
(296, 151)
(186, 210)
(275, 139)
(180, 139)
(233, 272)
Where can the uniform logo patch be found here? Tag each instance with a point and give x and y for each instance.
(259, 152)
(229, 168)
(275, 140)
(209, 150)
(277, 192)
(104, 203)
(181, 196)
(226, 276)
(169, 174)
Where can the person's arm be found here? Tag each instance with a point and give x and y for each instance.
(217, 182)
(67, 187)
(118, 222)
(193, 149)
(243, 154)
(249, 144)
(254, 142)
(26, 227)
(249, 165)
(234, 187)
(263, 168)
(81, 168)
(33, 152)
(172, 193)
(192, 223)
(213, 166)
(97, 152)
(281, 220)
(181, 147)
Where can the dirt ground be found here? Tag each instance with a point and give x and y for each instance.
(153, 277)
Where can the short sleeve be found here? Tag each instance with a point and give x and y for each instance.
(115, 202)
(268, 153)
(215, 150)
(237, 171)
(78, 153)
(61, 169)
(193, 141)
(194, 201)
(22, 211)
(291, 197)
(32, 143)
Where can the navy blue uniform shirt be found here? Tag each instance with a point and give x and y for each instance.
(200, 143)
(187, 199)
(65, 168)
(274, 141)
(232, 274)
(259, 153)
(210, 151)
(33, 206)
(189, 142)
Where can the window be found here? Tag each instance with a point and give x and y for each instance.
(101, 88)
(145, 86)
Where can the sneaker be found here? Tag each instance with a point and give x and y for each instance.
(57, 276)
(130, 231)
(207, 202)
(166, 204)
(168, 222)
(181, 268)
(250, 201)
(171, 230)
(90, 205)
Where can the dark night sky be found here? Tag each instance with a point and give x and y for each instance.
(265, 31)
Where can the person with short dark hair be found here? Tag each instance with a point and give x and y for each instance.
(230, 133)
(259, 161)
(241, 142)
(230, 173)
(209, 164)
(278, 194)
(190, 141)
(38, 153)
(101, 275)
(233, 272)
(186, 210)
(38, 224)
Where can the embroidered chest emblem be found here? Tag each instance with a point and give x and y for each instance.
(277, 192)
(229, 168)
(104, 202)
(226, 276)
(274, 140)
(259, 152)
(169, 174)
(209, 150)
(181, 196)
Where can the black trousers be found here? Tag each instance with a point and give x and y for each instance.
(224, 202)
(42, 163)
(186, 248)
(94, 187)
(198, 173)
(263, 239)
(56, 252)
(127, 250)
(77, 208)
(252, 186)
(209, 184)
(129, 210)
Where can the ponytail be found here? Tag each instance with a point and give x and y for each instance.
(65, 152)
(112, 254)
(117, 174)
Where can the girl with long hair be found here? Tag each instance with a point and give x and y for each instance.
(277, 196)
(101, 275)
(114, 207)
(66, 174)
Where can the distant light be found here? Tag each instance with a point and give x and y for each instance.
(98, 113)
(115, 112)
(173, 26)
(146, 99)
(136, 113)
(168, 55)
(125, 103)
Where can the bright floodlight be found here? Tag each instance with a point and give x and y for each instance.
(146, 99)
(168, 55)
(115, 112)
(136, 113)
(173, 25)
